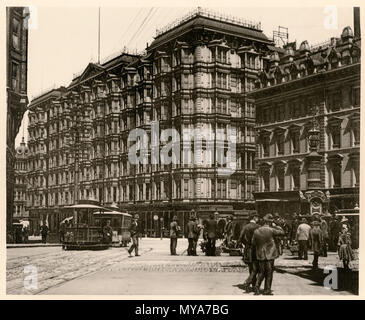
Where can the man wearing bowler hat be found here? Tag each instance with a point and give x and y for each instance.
(249, 253)
(266, 252)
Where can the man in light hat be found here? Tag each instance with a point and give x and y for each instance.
(174, 230)
(134, 230)
(302, 238)
(249, 253)
(263, 241)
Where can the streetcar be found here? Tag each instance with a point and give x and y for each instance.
(81, 231)
(120, 223)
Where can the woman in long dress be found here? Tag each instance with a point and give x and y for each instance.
(345, 252)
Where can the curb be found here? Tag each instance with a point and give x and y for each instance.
(32, 246)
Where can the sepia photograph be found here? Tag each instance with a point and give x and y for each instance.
(183, 151)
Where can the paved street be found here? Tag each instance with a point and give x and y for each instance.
(112, 272)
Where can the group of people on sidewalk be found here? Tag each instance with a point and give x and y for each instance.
(193, 231)
(262, 244)
(261, 247)
(316, 237)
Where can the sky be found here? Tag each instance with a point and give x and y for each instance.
(63, 40)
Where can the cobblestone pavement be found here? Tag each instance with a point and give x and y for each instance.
(112, 272)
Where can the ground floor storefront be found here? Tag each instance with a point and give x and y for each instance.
(342, 203)
(306, 202)
(154, 219)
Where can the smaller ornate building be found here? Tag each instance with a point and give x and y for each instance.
(20, 187)
(308, 127)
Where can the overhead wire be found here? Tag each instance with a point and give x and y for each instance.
(143, 22)
(150, 21)
(132, 23)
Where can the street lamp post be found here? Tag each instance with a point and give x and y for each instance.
(314, 158)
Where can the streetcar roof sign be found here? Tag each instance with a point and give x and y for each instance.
(86, 206)
(113, 213)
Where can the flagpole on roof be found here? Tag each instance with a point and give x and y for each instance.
(99, 38)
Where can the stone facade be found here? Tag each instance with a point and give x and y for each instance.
(301, 89)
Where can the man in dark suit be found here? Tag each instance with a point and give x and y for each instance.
(334, 231)
(228, 231)
(174, 230)
(196, 239)
(266, 252)
(249, 253)
(62, 231)
(44, 232)
(211, 232)
(134, 230)
(192, 230)
(316, 242)
(108, 233)
(324, 229)
(294, 228)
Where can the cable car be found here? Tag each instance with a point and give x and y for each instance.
(82, 233)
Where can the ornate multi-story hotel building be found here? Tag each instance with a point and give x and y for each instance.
(16, 89)
(195, 74)
(308, 126)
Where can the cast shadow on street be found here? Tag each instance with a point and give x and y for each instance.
(347, 280)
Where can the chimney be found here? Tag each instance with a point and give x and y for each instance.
(357, 32)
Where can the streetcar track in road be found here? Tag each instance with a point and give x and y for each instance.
(64, 276)
(8, 260)
(71, 255)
